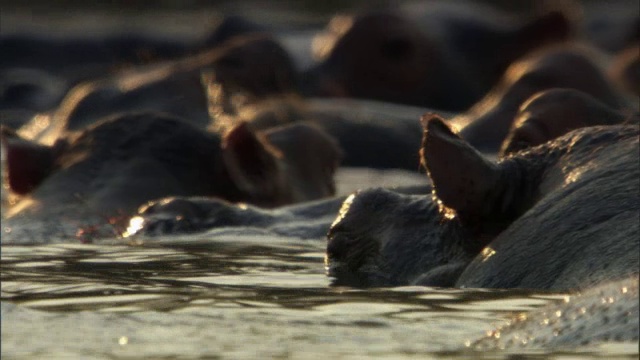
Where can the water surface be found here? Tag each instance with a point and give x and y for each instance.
(231, 297)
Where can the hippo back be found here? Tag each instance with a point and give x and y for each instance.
(583, 227)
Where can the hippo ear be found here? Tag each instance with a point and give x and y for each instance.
(28, 163)
(462, 178)
(250, 161)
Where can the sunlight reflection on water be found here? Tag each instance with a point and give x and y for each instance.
(177, 299)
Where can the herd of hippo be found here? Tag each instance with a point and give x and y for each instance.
(529, 138)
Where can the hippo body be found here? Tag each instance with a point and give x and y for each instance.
(112, 167)
(561, 216)
(371, 134)
(80, 58)
(607, 312)
(570, 66)
(625, 70)
(175, 87)
(552, 113)
(584, 226)
(429, 57)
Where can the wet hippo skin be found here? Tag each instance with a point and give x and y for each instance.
(514, 220)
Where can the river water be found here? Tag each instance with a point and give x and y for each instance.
(233, 296)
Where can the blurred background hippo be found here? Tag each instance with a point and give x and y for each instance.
(505, 225)
(445, 56)
(111, 168)
(552, 113)
(176, 87)
(625, 70)
(574, 66)
(37, 70)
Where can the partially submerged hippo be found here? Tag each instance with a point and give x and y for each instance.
(605, 313)
(372, 134)
(562, 215)
(444, 62)
(122, 162)
(174, 87)
(36, 71)
(553, 113)
(486, 124)
(82, 57)
(625, 70)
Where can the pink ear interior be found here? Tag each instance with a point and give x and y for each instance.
(248, 160)
(28, 164)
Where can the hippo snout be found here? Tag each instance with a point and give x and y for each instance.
(349, 258)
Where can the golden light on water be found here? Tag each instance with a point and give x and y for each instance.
(123, 340)
(135, 224)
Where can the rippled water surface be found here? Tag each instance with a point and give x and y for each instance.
(249, 297)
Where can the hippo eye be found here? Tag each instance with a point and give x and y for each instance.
(396, 49)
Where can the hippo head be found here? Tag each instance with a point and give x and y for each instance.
(247, 69)
(122, 162)
(379, 56)
(552, 113)
(382, 238)
(486, 124)
(625, 69)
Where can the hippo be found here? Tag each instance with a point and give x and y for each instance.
(177, 215)
(574, 66)
(37, 71)
(84, 57)
(559, 216)
(112, 167)
(552, 113)
(372, 134)
(25, 92)
(175, 87)
(388, 57)
(625, 70)
(607, 312)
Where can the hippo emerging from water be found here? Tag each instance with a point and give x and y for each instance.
(563, 215)
(122, 162)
